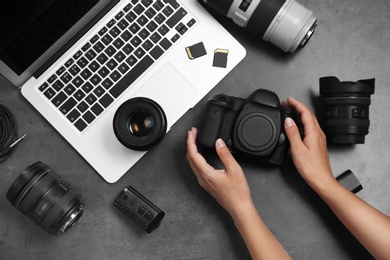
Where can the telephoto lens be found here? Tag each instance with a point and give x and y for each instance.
(140, 124)
(43, 196)
(285, 23)
(346, 109)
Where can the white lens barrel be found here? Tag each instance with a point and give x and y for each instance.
(291, 27)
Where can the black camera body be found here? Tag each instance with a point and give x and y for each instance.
(252, 126)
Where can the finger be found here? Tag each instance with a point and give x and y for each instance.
(292, 133)
(308, 119)
(226, 156)
(196, 160)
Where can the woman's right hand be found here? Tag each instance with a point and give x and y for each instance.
(310, 154)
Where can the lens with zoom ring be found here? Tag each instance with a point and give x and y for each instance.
(285, 23)
(42, 195)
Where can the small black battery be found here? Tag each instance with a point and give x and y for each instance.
(139, 209)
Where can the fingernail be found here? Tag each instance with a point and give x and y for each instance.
(220, 143)
(288, 122)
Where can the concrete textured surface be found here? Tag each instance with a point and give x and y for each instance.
(352, 42)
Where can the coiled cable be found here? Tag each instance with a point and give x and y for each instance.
(8, 133)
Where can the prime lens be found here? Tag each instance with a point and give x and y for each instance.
(42, 195)
(346, 109)
(140, 124)
(285, 23)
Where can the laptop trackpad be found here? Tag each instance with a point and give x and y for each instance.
(170, 90)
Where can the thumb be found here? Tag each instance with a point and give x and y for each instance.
(292, 132)
(226, 156)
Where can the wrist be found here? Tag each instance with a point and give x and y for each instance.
(324, 185)
(243, 211)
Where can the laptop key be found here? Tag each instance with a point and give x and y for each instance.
(86, 46)
(106, 100)
(80, 125)
(87, 87)
(168, 11)
(98, 47)
(86, 73)
(131, 16)
(111, 23)
(70, 89)
(97, 109)
(52, 78)
(74, 70)
(79, 95)
(82, 107)
(49, 93)
(66, 77)
(72, 116)
(103, 31)
(131, 76)
(139, 9)
(115, 76)
(98, 91)
(127, 7)
(103, 72)
(60, 71)
(88, 117)
(59, 99)
(173, 3)
(43, 86)
(82, 62)
(69, 63)
(58, 85)
(68, 105)
(156, 52)
(107, 83)
(176, 17)
(165, 43)
(158, 5)
(146, 2)
(150, 13)
(90, 99)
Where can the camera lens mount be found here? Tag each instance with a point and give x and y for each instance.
(140, 124)
(257, 133)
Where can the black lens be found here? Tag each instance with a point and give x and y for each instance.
(140, 124)
(346, 109)
(42, 195)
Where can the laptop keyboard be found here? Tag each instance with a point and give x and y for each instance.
(114, 58)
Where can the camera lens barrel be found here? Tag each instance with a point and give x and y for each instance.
(42, 195)
(285, 23)
(140, 124)
(346, 109)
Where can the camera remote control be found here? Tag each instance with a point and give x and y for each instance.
(139, 209)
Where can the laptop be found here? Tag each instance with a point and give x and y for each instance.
(77, 61)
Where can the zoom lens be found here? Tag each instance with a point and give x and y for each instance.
(42, 195)
(140, 124)
(346, 109)
(285, 23)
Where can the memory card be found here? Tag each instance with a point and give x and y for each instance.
(220, 58)
(196, 51)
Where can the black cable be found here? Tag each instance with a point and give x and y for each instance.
(8, 133)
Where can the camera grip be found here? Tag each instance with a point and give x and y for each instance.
(218, 119)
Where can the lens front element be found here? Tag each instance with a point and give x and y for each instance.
(140, 124)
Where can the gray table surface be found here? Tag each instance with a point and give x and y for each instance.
(352, 42)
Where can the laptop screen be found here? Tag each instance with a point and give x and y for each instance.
(30, 27)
